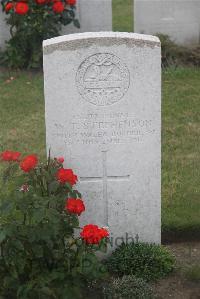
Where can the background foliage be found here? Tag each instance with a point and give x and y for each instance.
(24, 49)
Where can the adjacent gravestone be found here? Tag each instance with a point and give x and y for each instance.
(177, 18)
(93, 15)
(102, 94)
(4, 30)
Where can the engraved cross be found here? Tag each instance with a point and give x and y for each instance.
(105, 178)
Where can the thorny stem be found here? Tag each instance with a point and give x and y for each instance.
(42, 183)
(24, 222)
(49, 159)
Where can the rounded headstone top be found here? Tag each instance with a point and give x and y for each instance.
(86, 39)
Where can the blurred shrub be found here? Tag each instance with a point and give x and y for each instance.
(147, 261)
(175, 55)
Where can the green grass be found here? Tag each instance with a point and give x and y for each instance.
(23, 128)
(22, 112)
(181, 150)
(193, 273)
(122, 15)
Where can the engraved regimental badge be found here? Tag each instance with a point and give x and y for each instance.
(102, 79)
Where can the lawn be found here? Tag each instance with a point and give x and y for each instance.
(181, 150)
(23, 128)
(123, 15)
(22, 112)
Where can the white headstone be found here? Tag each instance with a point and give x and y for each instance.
(4, 29)
(102, 94)
(93, 15)
(180, 19)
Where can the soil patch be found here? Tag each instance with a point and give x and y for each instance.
(191, 235)
(177, 285)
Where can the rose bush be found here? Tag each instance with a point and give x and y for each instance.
(31, 22)
(44, 253)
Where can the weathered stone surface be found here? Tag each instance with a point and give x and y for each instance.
(102, 94)
(177, 18)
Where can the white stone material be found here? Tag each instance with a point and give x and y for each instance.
(180, 19)
(4, 29)
(103, 113)
(93, 15)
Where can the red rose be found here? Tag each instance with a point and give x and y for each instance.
(66, 176)
(92, 234)
(71, 2)
(21, 8)
(10, 156)
(58, 7)
(8, 6)
(60, 160)
(40, 2)
(75, 206)
(6, 156)
(15, 156)
(103, 232)
(28, 163)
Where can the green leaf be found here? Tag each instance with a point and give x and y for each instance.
(53, 186)
(66, 18)
(76, 23)
(2, 236)
(48, 291)
(72, 14)
(39, 215)
(18, 245)
(38, 250)
(69, 187)
(103, 246)
(53, 216)
(6, 207)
